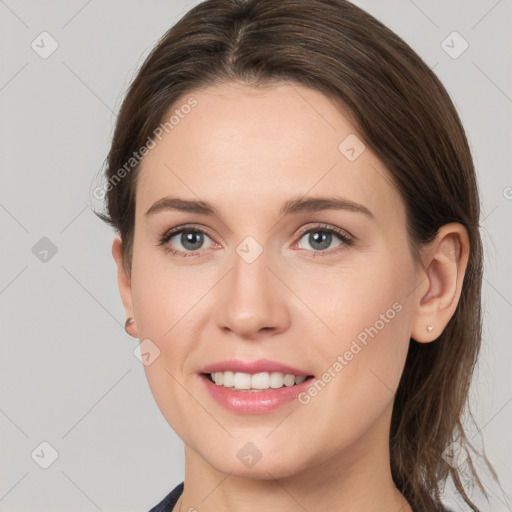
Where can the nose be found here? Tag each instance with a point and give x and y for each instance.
(251, 301)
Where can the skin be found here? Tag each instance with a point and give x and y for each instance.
(247, 151)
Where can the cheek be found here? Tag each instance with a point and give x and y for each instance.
(169, 311)
(365, 351)
(163, 295)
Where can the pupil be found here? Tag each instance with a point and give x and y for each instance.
(193, 238)
(324, 239)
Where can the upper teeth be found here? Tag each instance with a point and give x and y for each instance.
(263, 380)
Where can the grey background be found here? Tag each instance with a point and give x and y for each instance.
(68, 373)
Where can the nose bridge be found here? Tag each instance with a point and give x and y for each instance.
(250, 299)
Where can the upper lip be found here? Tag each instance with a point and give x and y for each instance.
(258, 366)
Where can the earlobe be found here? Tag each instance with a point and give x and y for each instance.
(124, 285)
(445, 260)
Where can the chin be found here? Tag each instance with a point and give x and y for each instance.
(248, 462)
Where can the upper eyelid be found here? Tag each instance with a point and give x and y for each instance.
(186, 227)
(327, 227)
(343, 234)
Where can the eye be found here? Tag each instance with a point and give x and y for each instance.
(189, 241)
(184, 241)
(321, 237)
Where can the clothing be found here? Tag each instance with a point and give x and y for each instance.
(170, 500)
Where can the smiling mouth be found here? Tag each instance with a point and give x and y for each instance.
(262, 381)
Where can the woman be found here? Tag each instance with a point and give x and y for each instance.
(299, 254)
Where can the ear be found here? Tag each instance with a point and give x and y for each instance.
(124, 283)
(445, 260)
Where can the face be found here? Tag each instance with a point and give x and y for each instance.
(303, 268)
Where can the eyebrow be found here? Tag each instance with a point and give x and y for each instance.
(293, 206)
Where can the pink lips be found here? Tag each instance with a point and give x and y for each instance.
(260, 365)
(253, 402)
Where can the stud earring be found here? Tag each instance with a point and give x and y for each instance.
(129, 322)
(430, 328)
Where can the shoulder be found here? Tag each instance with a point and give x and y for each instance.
(169, 501)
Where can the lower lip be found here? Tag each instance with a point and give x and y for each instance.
(254, 402)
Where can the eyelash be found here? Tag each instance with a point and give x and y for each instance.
(347, 239)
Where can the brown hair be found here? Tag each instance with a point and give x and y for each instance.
(403, 113)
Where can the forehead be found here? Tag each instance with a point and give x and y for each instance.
(242, 146)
